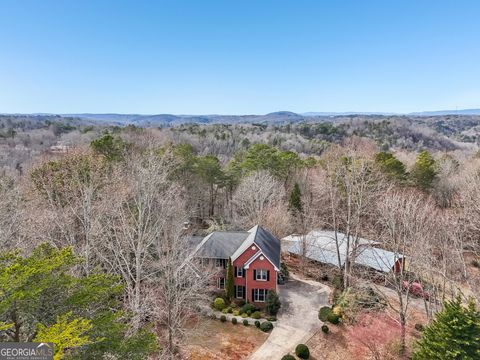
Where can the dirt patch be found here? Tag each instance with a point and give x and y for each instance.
(214, 340)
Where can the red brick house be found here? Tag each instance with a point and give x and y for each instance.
(255, 258)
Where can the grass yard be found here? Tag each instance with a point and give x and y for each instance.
(214, 340)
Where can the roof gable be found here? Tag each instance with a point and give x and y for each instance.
(266, 242)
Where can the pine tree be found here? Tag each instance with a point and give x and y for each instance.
(295, 201)
(230, 285)
(424, 171)
(453, 334)
(272, 303)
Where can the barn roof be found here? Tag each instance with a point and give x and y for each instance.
(321, 247)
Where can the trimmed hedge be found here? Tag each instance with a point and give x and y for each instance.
(325, 329)
(302, 351)
(223, 318)
(288, 357)
(266, 326)
(324, 312)
(246, 308)
(245, 322)
(234, 321)
(219, 304)
(256, 315)
(257, 323)
(333, 318)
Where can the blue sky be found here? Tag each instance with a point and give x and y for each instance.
(238, 56)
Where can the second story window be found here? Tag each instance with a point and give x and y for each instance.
(240, 271)
(261, 275)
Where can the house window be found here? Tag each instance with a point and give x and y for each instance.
(259, 295)
(221, 263)
(240, 271)
(261, 275)
(221, 283)
(205, 261)
(240, 292)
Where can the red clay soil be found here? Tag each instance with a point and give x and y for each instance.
(213, 340)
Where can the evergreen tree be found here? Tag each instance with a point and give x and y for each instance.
(295, 201)
(453, 334)
(424, 171)
(229, 284)
(390, 166)
(272, 303)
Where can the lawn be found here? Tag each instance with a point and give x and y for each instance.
(214, 340)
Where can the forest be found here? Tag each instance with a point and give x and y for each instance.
(95, 220)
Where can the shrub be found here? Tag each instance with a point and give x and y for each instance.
(249, 312)
(225, 311)
(256, 315)
(271, 318)
(337, 282)
(272, 303)
(219, 304)
(284, 270)
(223, 318)
(288, 357)
(266, 326)
(333, 318)
(244, 315)
(235, 312)
(245, 322)
(234, 320)
(302, 351)
(229, 310)
(324, 312)
(325, 329)
(257, 323)
(245, 308)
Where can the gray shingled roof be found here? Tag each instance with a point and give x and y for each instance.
(222, 244)
(194, 240)
(269, 245)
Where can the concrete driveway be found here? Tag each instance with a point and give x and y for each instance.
(297, 319)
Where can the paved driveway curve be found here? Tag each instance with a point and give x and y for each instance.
(297, 319)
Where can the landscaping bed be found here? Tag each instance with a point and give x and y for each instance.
(212, 339)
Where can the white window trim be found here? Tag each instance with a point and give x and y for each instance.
(242, 272)
(261, 271)
(218, 284)
(256, 295)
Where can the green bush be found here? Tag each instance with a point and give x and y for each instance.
(223, 318)
(219, 304)
(271, 318)
(288, 357)
(337, 282)
(229, 310)
(324, 312)
(247, 307)
(245, 322)
(225, 311)
(302, 351)
(257, 323)
(256, 315)
(266, 326)
(235, 312)
(234, 320)
(333, 318)
(272, 303)
(325, 329)
(244, 315)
